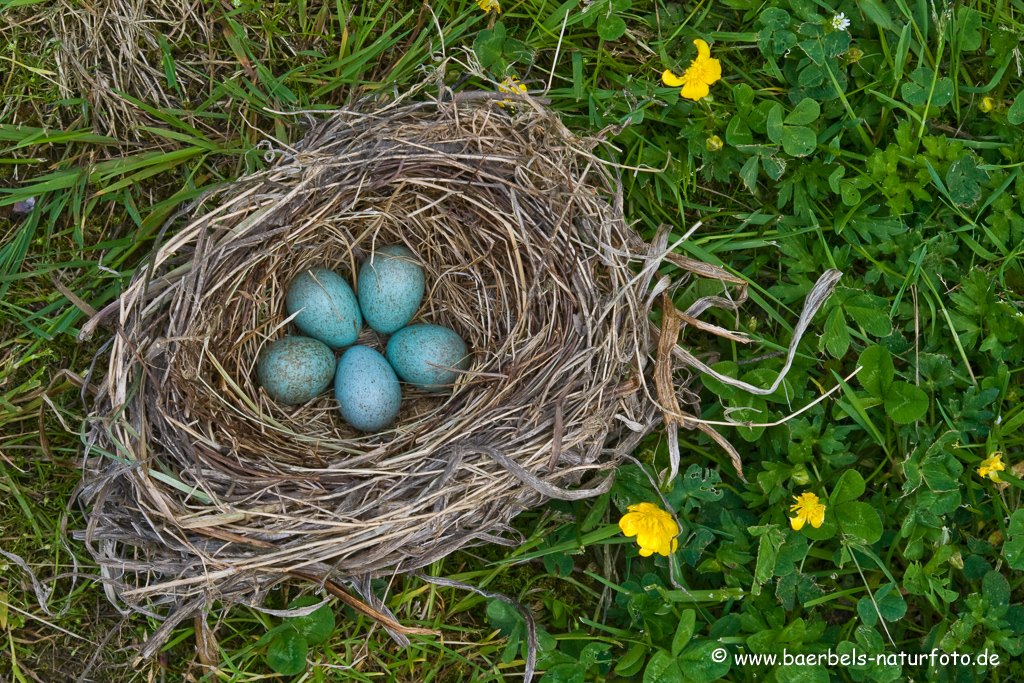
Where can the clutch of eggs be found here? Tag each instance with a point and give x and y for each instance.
(391, 284)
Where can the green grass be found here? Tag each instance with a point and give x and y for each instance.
(900, 173)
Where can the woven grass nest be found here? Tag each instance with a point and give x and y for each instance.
(213, 492)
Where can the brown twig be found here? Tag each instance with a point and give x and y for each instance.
(364, 609)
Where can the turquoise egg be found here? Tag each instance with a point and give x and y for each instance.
(391, 286)
(414, 350)
(330, 311)
(294, 370)
(367, 389)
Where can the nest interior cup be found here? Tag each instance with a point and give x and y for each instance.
(218, 492)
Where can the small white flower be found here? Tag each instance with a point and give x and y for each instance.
(840, 22)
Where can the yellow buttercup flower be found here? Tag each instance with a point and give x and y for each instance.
(987, 104)
(992, 466)
(488, 5)
(655, 530)
(511, 85)
(807, 509)
(714, 143)
(701, 73)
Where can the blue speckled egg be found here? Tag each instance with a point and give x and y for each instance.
(330, 311)
(367, 389)
(414, 350)
(294, 370)
(391, 288)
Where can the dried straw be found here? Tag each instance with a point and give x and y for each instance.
(113, 53)
(211, 491)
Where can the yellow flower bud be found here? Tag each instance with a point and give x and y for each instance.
(992, 466)
(987, 104)
(853, 55)
(957, 560)
(800, 476)
(714, 143)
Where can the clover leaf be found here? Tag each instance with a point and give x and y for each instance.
(848, 189)
(1015, 114)
(774, 18)
(916, 93)
(969, 28)
(820, 49)
(890, 605)
(878, 372)
(796, 139)
(860, 520)
(489, 43)
(610, 26)
(493, 47)
(904, 402)
(604, 13)
(774, 40)
(315, 627)
(1013, 549)
(287, 652)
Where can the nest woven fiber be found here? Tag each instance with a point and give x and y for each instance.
(215, 492)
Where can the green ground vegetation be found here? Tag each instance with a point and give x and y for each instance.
(880, 137)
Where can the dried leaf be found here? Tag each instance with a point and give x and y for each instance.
(206, 642)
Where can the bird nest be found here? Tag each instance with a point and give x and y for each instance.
(214, 492)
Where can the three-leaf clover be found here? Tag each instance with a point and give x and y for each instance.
(821, 47)
(916, 91)
(866, 310)
(792, 132)
(1013, 549)
(904, 402)
(605, 14)
(1015, 114)
(287, 651)
(493, 46)
(886, 601)
(775, 39)
(848, 188)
